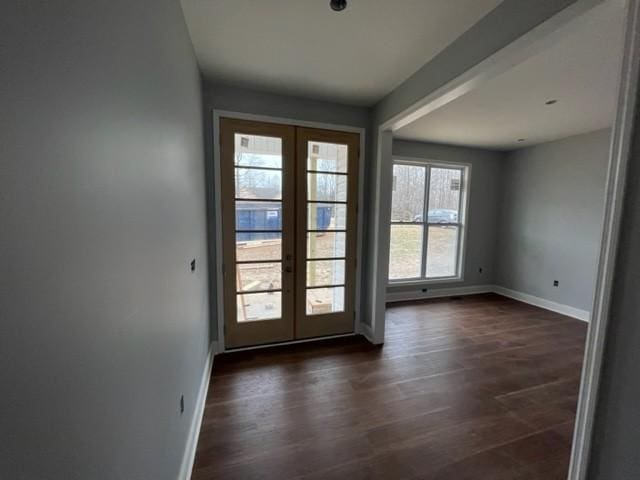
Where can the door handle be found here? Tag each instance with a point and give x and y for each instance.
(288, 268)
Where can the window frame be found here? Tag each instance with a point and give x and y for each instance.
(461, 224)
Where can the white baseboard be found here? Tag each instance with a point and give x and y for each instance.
(196, 421)
(366, 332)
(438, 293)
(583, 315)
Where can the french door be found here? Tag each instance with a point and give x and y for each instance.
(289, 231)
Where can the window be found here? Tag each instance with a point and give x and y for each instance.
(427, 221)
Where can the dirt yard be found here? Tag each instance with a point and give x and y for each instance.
(268, 276)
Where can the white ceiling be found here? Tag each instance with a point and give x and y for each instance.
(302, 47)
(581, 71)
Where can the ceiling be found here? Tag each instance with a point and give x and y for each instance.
(580, 71)
(302, 47)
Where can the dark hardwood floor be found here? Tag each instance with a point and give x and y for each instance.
(480, 387)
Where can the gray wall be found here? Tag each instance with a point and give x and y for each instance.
(224, 97)
(616, 434)
(103, 326)
(482, 226)
(551, 218)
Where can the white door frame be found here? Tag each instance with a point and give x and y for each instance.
(619, 156)
(217, 114)
(619, 152)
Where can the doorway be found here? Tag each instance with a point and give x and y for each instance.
(289, 218)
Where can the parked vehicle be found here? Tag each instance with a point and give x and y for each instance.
(443, 216)
(440, 215)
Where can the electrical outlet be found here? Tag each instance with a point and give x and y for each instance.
(193, 265)
(181, 404)
(556, 283)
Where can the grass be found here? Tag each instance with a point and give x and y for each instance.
(406, 247)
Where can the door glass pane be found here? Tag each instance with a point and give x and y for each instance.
(254, 307)
(325, 300)
(257, 183)
(325, 272)
(258, 215)
(326, 187)
(442, 250)
(327, 216)
(326, 245)
(258, 246)
(327, 157)
(258, 276)
(405, 253)
(257, 151)
(407, 200)
(444, 195)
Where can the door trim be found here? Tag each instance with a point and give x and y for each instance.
(620, 151)
(217, 204)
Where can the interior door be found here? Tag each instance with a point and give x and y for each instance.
(327, 171)
(289, 219)
(258, 223)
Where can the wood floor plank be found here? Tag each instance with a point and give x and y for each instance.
(476, 387)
